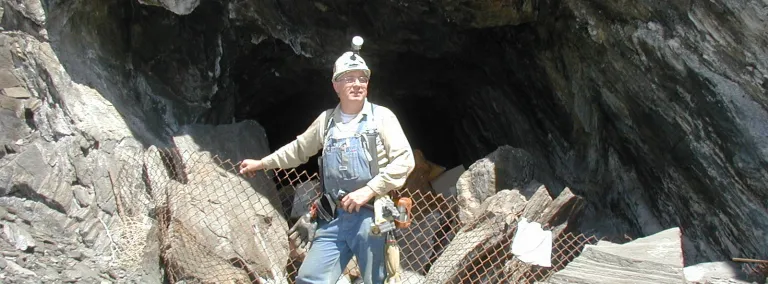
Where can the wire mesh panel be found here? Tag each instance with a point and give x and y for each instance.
(756, 271)
(213, 225)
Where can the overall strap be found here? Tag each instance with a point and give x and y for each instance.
(320, 165)
(371, 138)
(328, 126)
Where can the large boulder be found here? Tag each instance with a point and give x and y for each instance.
(218, 224)
(505, 168)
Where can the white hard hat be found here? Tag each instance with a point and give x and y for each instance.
(350, 61)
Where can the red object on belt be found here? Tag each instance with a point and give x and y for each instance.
(313, 210)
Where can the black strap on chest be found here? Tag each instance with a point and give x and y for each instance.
(374, 162)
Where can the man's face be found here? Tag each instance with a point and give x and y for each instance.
(352, 86)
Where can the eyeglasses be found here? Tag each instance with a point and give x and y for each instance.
(352, 79)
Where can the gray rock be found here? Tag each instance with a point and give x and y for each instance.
(680, 107)
(82, 195)
(7, 79)
(25, 15)
(84, 134)
(84, 272)
(6, 63)
(76, 255)
(49, 274)
(654, 259)
(3, 213)
(181, 7)
(79, 215)
(16, 93)
(95, 234)
(18, 236)
(538, 203)
(17, 269)
(716, 273)
(505, 168)
(481, 250)
(13, 130)
(498, 217)
(30, 9)
(217, 213)
(149, 272)
(564, 213)
(29, 175)
(71, 275)
(24, 173)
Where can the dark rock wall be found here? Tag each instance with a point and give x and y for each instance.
(676, 93)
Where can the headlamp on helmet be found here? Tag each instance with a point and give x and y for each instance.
(351, 60)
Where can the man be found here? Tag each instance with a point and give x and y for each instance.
(347, 175)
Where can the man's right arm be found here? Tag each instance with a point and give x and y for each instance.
(299, 150)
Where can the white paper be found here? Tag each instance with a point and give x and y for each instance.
(532, 244)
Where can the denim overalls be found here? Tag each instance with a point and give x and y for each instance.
(346, 167)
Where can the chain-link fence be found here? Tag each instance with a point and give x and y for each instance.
(214, 225)
(756, 270)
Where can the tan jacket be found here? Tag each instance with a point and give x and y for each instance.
(396, 159)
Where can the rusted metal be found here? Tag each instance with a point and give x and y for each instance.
(749, 260)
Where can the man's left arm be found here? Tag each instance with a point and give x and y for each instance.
(399, 153)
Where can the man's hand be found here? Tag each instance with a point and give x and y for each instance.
(248, 167)
(356, 199)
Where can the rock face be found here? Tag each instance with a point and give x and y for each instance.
(62, 134)
(76, 116)
(668, 117)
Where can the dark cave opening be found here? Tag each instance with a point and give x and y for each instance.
(284, 93)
